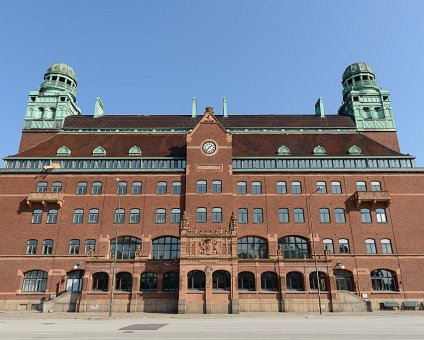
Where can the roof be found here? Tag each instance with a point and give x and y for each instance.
(174, 145)
(186, 121)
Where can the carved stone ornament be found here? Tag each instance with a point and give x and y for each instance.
(209, 246)
(138, 251)
(233, 222)
(184, 224)
(90, 252)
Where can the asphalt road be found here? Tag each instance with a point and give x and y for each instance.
(387, 325)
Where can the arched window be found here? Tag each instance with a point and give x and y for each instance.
(63, 151)
(370, 247)
(97, 188)
(201, 187)
(201, 215)
(127, 247)
(148, 282)
(321, 188)
(283, 151)
(269, 281)
(161, 188)
(31, 248)
(295, 281)
(175, 215)
(123, 282)
(319, 150)
(47, 247)
(216, 187)
(100, 281)
(135, 215)
(35, 281)
(176, 188)
(328, 245)
(217, 215)
(99, 151)
(340, 216)
(296, 187)
(283, 215)
(37, 215)
(122, 188)
(361, 186)
(252, 248)
(171, 282)
(166, 248)
(196, 280)
(383, 279)
(246, 281)
(42, 186)
(221, 280)
(366, 215)
(93, 216)
(386, 246)
(82, 188)
(160, 215)
(344, 279)
(344, 246)
(322, 281)
(119, 216)
(74, 281)
(294, 247)
(241, 188)
(354, 150)
(281, 188)
(57, 187)
(52, 216)
(78, 216)
(137, 188)
(256, 188)
(375, 186)
(134, 151)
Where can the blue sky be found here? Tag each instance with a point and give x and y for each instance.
(152, 57)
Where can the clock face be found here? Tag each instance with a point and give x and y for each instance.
(209, 147)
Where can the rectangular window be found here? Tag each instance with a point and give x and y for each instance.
(328, 245)
(47, 247)
(217, 215)
(135, 216)
(257, 215)
(242, 215)
(82, 188)
(321, 188)
(31, 247)
(176, 188)
(216, 187)
(256, 188)
(381, 215)
(161, 188)
(339, 213)
(52, 216)
(78, 216)
(74, 246)
(375, 186)
(296, 188)
(365, 216)
(93, 216)
(386, 246)
(175, 216)
(283, 215)
(201, 215)
(57, 187)
(122, 188)
(361, 186)
(136, 188)
(37, 215)
(90, 245)
(119, 216)
(201, 187)
(97, 188)
(344, 246)
(160, 215)
(370, 246)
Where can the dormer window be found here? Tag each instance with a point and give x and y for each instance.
(135, 151)
(283, 150)
(354, 150)
(99, 151)
(63, 151)
(319, 150)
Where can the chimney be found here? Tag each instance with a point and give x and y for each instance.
(319, 107)
(99, 108)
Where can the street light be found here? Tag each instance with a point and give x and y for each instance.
(116, 247)
(311, 229)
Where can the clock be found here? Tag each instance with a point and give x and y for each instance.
(209, 147)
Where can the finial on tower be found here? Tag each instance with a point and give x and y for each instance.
(224, 107)
(194, 107)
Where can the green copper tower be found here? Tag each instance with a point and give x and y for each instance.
(365, 101)
(56, 99)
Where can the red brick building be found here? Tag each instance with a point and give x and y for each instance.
(210, 213)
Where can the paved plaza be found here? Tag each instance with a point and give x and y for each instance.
(379, 325)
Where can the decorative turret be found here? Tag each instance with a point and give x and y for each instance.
(56, 99)
(365, 101)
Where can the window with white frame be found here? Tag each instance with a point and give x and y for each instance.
(328, 245)
(340, 216)
(370, 247)
(381, 215)
(241, 188)
(201, 215)
(256, 188)
(375, 186)
(93, 216)
(216, 187)
(176, 188)
(324, 215)
(37, 215)
(298, 215)
(74, 246)
(82, 188)
(52, 216)
(296, 187)
(201, 187)
(283, 215)
(366, 215)
(281, 188)
(175, 215)
(161, 188)
(361, 186)
(344, 246)
(96, 189)
(78, 216)
(160, 215)
(217, 215)
(258, 215)
(321, 188)
(119, 216)
(242, 215)
(386, 246)
(135, 215)
(336, 187)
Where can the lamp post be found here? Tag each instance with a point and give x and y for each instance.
(116, 247)
(311, 229)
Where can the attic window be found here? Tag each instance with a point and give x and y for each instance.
(354, 150)
(356, 99)
(283, 150)
(135, 151)
(63, 151)
(54, 78)
(62, 79)
(319, 150)
(99, 151)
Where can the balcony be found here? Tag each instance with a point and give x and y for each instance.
(44, 198)
(372, 197)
